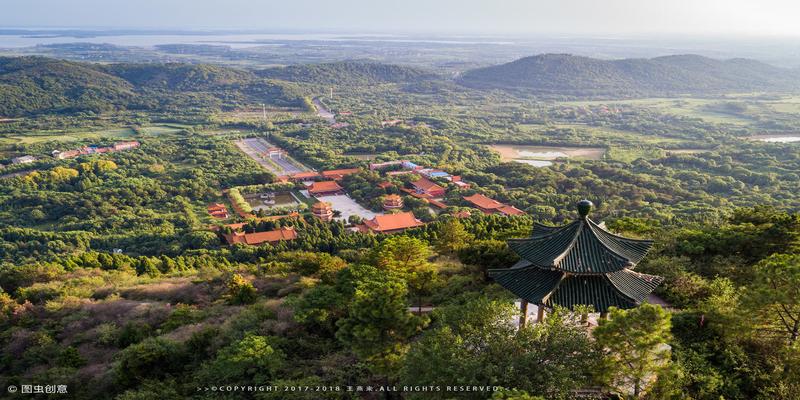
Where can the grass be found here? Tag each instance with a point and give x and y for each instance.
(77, 135)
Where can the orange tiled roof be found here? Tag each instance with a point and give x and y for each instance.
(305, 175)
(484, 202)
(393, 222)
(510, 210)
(284, 233)
(334, 173)
(321, 206)
(426, 184)
(324, 187)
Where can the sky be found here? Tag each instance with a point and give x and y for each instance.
(570, 17)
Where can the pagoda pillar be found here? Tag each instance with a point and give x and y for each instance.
(523, 309)
(540, 313)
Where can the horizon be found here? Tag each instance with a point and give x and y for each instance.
(615, 18)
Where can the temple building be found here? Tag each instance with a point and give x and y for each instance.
(323, 211)
(325, 188)
(580, 263)
(392, 202)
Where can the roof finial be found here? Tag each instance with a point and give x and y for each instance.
(584, 206)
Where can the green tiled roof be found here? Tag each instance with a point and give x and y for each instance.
(579, 263)
(581, 247)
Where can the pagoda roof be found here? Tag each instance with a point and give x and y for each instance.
(623, 289)
(582, 247)
(579, 263)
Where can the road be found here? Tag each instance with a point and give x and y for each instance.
(255, 148)
(324, 113)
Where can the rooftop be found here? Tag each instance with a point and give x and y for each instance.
(578, 263)
(393, 222)
(324, 187)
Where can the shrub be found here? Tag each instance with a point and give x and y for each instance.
(240, 291)
(152, 358)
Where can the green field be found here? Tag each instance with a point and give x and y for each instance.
(77, 135)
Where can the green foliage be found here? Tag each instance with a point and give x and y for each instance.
(635, 346)
(478, 342)
(154, 358)
(378, 322)
(240, 290)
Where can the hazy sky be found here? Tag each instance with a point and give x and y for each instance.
(621, 17)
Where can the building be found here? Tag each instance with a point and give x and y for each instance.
(119, 146)
(63, 155)
(427, 187)
(218, 210)
(382, 165)
(391, 223)
(577, 264)
(456, 180)
(392, 202)
(337, 174)
(23, 160)
(304, 176)
(385, 185)
(491, 206)
(325, 188)
(254, 239)
(275, 152)
(323, 211)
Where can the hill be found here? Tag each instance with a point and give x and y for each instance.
(37, 85)
(678, 74)
(350, 73)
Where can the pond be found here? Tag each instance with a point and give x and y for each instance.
(269, 200)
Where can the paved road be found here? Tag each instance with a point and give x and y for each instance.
(256, 147)
(324, 113)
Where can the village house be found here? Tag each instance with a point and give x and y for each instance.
(120, 146)
(491, 206)
(253, 239)
(391, 223)
(325, 188)
(425, 186)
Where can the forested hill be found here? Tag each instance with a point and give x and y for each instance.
(678, 74)
(352, 73)
(37, 85)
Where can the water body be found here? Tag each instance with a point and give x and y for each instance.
(535, 163)
(234, 40)
(778, 139)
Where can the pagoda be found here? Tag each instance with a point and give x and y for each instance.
(392, 202)
(580, 263)
(322, 210)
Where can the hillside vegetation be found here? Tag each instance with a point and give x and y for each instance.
(37, 85)
(678, 74)
(352, 73)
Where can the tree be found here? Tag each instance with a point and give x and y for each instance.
(635, 346)
(452, 237)
(774, 296)
(378, 323)
(402, 254)
(251, 358)
(240, 291)
(479, 342)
